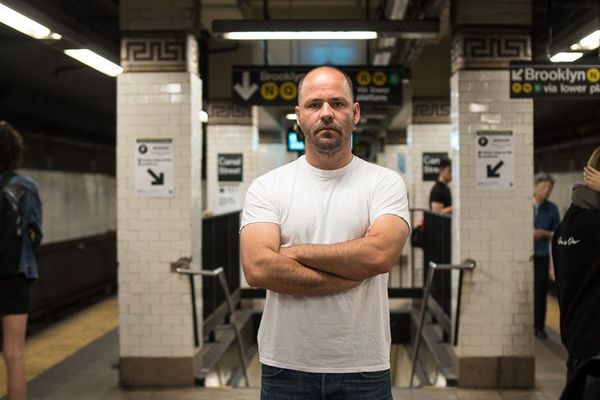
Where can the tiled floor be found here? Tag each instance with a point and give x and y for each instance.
(91, 373)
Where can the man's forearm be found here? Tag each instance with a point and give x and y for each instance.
(284, 275)
(357, 259)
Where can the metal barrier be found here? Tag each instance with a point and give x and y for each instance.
(220, 246)
(438, 248)
(182, 267)
(469, 265)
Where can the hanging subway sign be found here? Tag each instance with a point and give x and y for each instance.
(230, 167)
(531, 80)
(278, 86)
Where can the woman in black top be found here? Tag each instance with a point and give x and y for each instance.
(576, 255)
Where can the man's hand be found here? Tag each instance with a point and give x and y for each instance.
(591, 177)
(539, 234)
(375, 253)
(264, 266)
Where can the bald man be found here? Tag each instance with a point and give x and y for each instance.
(321, 234)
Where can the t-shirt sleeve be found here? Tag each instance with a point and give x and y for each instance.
(390, 198)
(259, 205)
(437, 194)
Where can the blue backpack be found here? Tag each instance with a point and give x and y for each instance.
(10, 230)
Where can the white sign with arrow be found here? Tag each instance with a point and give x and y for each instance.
(245, 90)
(495, 160)
(154, 167)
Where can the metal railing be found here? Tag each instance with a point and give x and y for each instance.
(220, 246)
(467, 265)
(181, 266)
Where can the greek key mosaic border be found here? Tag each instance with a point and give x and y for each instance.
(223, 113)
(492, 48)
(153, 51)
(431, 111)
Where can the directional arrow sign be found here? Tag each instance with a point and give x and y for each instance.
(158, 179)
(494, 159)
(245, 90)
(154, 167)
(517, 74)
(492, 172)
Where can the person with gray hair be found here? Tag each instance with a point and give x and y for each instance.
(545, 221)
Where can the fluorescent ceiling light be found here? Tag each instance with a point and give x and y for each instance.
(25, 25)
(290, 117)
(589, 42)
(301, 35)
(297, 29)
(95, 61)
(566, 56)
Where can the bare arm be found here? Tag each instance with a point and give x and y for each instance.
(265, 267)
(375, 253)
(539, 234)
(439, 208)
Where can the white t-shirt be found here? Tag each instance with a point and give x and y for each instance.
(344, 332)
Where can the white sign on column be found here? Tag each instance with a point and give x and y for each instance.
(154, 167)
(495, 160)
(229, 199)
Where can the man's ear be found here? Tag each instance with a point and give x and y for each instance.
(356, 111)
(297, 111)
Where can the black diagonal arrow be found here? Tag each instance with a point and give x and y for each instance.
(493, 172)
(158, 179)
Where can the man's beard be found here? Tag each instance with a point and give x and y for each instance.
(327, 147)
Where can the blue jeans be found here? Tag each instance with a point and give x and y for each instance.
(287, 384)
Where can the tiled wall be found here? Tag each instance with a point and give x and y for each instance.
(423, 138)
(494, 227)
(563, 185)
(75, 205)
(272, 155)
(222, 139)
(150, 15)
(389, 158)
(155, 317)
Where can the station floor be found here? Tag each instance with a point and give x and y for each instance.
(77, 359)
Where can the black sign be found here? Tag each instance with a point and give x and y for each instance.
(230, 167)
(431, 165)
(531, 80)
(277, 86)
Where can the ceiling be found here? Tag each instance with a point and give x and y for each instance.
(42, 90)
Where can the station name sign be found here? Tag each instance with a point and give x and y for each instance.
(535, 80)
(278, 86)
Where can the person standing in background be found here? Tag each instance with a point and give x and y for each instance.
(20, 235)
(577, 269)
(546, 219)
(440, 198)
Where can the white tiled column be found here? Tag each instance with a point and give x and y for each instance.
(233, 131)
(493, 225)
(158, 96)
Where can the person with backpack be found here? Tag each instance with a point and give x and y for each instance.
(20, 235)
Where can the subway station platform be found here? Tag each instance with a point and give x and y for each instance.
(77, 358)
(144, 161)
